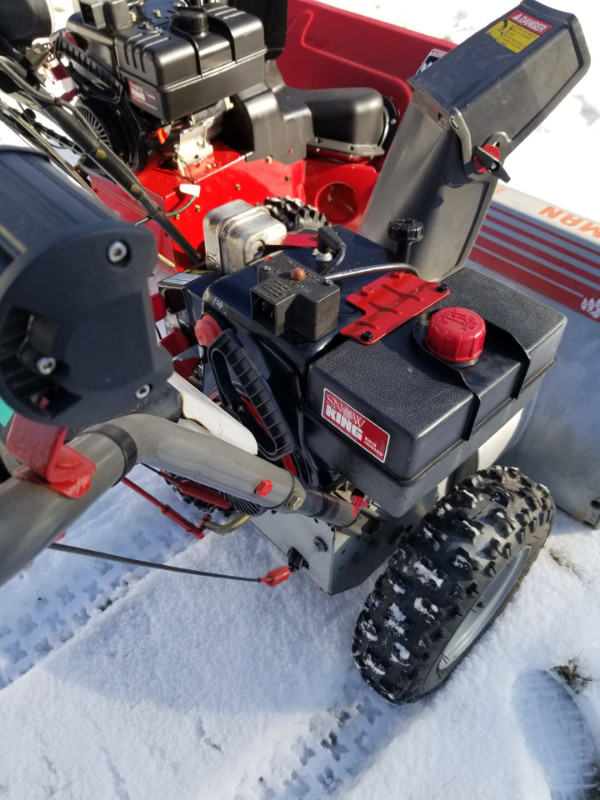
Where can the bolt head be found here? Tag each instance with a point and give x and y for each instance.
(143, 392)
(117, 252)
(46, 365)
(295, 501)
(366, 336)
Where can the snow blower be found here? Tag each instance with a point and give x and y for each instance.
(326, 349)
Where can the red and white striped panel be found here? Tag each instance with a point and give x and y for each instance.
(546, 248)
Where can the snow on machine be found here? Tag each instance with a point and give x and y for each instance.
(329, 367)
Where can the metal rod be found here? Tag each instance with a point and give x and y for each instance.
(81, 551)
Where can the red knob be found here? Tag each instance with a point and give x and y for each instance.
(456, 335)
(206, 330)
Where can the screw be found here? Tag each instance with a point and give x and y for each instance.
(143, 392)
(441, 287)
(366, 336)
(295, 501)
(320, 544)
(46, 365)
(117, 252)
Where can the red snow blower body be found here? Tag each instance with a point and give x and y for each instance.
(334, 359)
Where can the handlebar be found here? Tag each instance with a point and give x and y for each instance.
(33, 515)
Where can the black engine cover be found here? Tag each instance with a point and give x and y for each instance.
(175, 62)
(385, 416)
(391, 417)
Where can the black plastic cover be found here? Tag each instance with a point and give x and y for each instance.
(178, 62)
(273, 14)
(73, 297)
(263, 123)
(309, 306)
(425, 409)
(350, 119)
(431, 416)
(25, 20)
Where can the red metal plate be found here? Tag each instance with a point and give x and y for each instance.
(389, 302)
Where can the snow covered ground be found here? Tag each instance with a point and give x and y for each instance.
(128, 685)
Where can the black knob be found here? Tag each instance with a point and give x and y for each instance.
(405, 232)
(191, 20)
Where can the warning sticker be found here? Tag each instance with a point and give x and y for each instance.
(518, 31)
(529, 22)
(358, 428)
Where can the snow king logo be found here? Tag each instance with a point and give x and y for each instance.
(358, 428)
(531, 23)
(591, 306)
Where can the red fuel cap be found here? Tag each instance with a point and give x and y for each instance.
(456, 334)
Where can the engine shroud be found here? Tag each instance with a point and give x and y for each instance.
(391, 418)
(175, 62)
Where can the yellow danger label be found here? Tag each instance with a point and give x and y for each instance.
(511, 35)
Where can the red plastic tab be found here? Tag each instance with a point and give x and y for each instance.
(264, 488)
(493, 150)
(358, 502)
(308, 240)
(389, 302)
(276, 576)
(175, 342)
(456, 335)
(159, 307)
(206, 330)
(46, 458)
(185, 366)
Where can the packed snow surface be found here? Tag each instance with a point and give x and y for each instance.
(130, 685)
